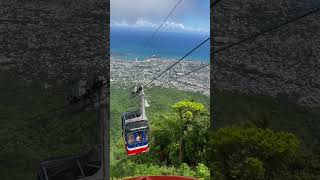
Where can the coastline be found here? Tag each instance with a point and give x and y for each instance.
(156, 58)
(128, 73)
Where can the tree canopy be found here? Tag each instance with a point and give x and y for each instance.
(251, 153)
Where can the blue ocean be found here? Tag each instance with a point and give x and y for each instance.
(129, 44)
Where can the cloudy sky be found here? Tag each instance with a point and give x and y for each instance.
(189, 16)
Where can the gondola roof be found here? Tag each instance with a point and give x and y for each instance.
(136, 125)
(131, 115)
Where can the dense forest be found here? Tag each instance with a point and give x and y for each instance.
(251, 137)
(34, 127)
(167, 155)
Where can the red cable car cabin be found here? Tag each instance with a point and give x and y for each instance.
(135, 132)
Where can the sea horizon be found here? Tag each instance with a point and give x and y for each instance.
(130, 45)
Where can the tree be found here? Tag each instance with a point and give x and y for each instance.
(251, 153)
(188, 111)
(165, 133)
(305, 166)
(180, 136)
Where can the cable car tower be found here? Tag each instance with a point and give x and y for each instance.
(135, 127)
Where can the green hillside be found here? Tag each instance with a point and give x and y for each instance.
(29, 134)
(160, 101)
(27, 139)
(277, 114)
(246, 111)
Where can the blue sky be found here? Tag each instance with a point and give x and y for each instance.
(189, 16)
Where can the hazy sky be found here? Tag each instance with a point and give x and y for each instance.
(190, 15)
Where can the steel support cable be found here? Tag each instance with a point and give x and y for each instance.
(190, 72)
(60, 108)
(54, 110)
(62, 114)
(214, 3)
(191, 51)
(193, 85)
(267, 30)
(249, 38)
(157, 30)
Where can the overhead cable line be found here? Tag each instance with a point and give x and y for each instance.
(75, 100)
(57, 109)
(191, 51)
(217, 1)
(248, 38)
(193, 85)
(190, 72)
(255, 35)
(156, 31)
(267, 30)
(197, 69)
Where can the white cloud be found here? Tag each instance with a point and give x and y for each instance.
(174, 25)
(167, 26)
(143, 23)
(134, 9)
(150, 13)
(119, 24)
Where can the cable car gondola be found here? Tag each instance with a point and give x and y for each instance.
(135, 128)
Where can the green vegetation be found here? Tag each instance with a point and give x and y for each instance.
(251, 153)
(265, 112)
(253, 137)
(258, 137)
(27, 139)
(177, 125)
